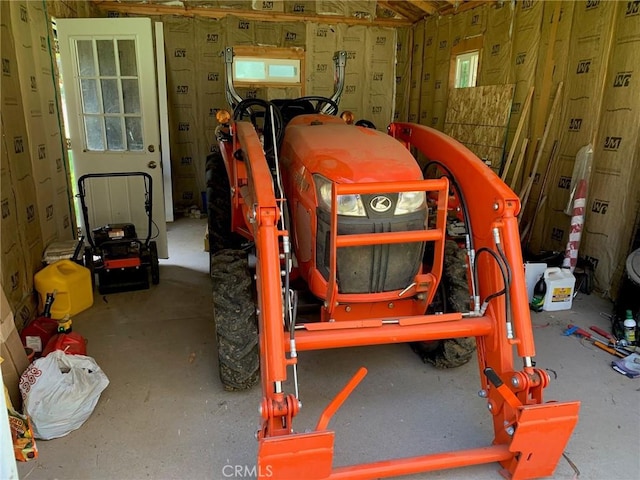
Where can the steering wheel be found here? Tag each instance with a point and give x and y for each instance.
(365, 123)
(323, 104)
(257, 109)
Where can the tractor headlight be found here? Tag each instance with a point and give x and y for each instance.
(350, 205)
(409, 202)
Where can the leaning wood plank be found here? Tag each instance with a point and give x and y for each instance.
(519, 163)
(524, 195)
(516, 136)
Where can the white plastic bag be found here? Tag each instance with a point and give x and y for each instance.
(60, 391)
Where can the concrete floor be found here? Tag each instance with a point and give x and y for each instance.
(166, 416)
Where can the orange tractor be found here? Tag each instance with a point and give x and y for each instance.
(307, 209)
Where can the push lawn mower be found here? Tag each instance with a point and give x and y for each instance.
(115, 252)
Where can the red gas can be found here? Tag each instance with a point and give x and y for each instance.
(37, 334)
(72, 343)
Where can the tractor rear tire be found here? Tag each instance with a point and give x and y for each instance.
(219, 206)
(451, 352)
(235, 318)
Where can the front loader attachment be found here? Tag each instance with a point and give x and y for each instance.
(529, 433)
(537, 439)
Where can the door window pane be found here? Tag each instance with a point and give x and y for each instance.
(131, 95)
(134, 133)
(93, 132)
(90, 102)
(110, 96)
(127, 54)
(86, 65)
(114, 133)
(106, 58)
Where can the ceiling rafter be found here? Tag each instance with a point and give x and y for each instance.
(407, 12)
(428, 7)
(405, 9)
(116, 6)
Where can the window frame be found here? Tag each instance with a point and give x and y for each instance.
(465, 46)
(272, 56)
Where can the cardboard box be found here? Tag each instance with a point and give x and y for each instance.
(12, 352)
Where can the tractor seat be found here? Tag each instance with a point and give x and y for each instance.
(291, 108)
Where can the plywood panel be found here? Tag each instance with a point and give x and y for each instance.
(478, 118)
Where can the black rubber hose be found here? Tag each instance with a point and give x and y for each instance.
(506, 277)
(463, 205)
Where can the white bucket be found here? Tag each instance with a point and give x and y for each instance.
(560, 284)
(532, 273)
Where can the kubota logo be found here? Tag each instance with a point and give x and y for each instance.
(380, 204)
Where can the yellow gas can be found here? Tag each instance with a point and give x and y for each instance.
(72, 284)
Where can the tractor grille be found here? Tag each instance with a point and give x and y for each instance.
(376, 268)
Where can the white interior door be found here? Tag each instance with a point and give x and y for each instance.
(108, 71)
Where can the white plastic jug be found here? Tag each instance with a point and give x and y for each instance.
(560, 284)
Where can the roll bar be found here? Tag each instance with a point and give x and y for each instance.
(233, 98)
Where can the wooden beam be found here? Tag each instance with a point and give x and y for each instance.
(217, 13)
(425, 6)
(463, 6)
(389, 6)
(402, 7)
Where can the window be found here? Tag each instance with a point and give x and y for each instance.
(266, 70)
(466, 69)
(110, 94)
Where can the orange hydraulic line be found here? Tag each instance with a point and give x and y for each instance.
(360, 239)
(378, 187)
(393, 333)
(425, 463)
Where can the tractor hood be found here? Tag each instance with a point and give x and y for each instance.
(347, 153)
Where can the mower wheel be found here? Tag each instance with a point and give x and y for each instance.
(155, 265)
(219, 206)
(234, 313)
(451, 352)
(88, 263)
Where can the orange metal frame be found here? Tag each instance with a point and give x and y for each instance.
(529, 434)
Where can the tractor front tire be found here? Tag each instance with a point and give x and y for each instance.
(235, 319)
(219, 206)
(451, 352)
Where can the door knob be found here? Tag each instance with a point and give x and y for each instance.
(152, 164)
